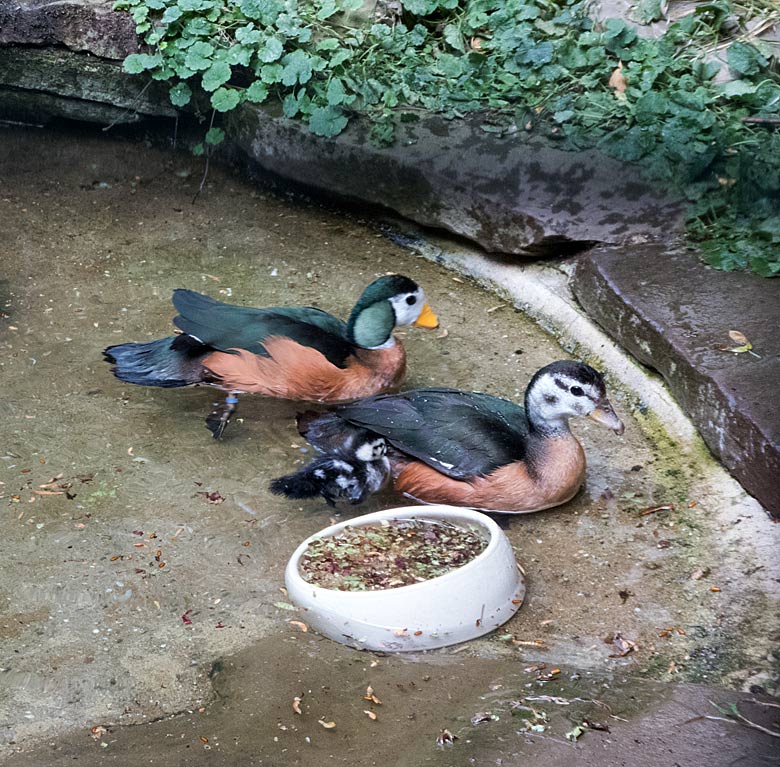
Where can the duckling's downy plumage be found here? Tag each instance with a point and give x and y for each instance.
(473, 449)
(351, 474)
(298, 353)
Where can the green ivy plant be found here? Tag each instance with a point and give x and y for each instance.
(530, 65)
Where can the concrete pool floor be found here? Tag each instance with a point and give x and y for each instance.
(95, 233)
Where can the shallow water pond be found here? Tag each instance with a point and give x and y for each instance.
(138, 550)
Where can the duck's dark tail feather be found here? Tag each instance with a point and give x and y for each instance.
(167, 362)
(301, 484)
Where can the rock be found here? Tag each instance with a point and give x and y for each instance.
(517, 194)
(674, 314)
(38, 84)
(81, 25)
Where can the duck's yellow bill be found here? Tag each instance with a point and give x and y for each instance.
(427, 318)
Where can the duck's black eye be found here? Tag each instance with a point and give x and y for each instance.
(576, 391)
(411, 300)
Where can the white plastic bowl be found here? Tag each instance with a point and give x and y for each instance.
(465, 603)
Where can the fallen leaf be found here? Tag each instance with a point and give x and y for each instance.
(596, 726)
(326, 725)
(370, 714)
(296, 705)
(285, 606)
(186, 618)
(624, 646)
(214, 497)
(741, 339)
(299, 625)
(574, 733)
(483, 716)
(445, 738)
(738, 337)
(655, 509)
(617, 81)
(370, 696)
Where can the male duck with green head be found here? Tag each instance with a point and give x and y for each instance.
(298, 353)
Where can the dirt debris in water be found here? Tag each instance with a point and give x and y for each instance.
(91, 627)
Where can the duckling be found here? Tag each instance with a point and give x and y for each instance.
(338, 476)
(476, 450)
(298, 353)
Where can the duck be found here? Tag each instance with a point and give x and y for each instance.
(447, 446)
(358, 470)
(296, 353)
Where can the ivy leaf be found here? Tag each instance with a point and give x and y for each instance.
(198, 56)
(540, 54)
(736, 88)
(336, 94)
(297, 68)
(327, 121)
(563, 116)
(339, 58)
(745, 59)
(327, 9)
(420, 7)
(225, 99)
(180, 94)
(271, 51)
(216, 75)
(271, 73)
(215, 136)
(290, 105)
(139, 14)
(172, 13)
(647, 11)
(136, 63)
(248, 35)
(256, 92)
(195, 5)
(238, 55)
(328, 44)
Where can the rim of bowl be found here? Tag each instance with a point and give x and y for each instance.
(404, 512)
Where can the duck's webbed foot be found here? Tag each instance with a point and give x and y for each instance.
(219, 418)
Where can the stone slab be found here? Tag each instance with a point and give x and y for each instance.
(674, 314)
(517, 194)
(38, 84)
(81, 25)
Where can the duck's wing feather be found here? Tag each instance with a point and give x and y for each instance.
(225, 326)
(460, 434)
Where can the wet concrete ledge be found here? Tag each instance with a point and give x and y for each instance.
(674, 314)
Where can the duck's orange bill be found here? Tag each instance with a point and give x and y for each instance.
(427, 318)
